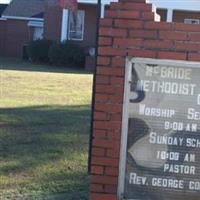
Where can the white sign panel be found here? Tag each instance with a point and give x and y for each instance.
(160, 156)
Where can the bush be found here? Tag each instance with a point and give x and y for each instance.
(66, 53)
(38, 50)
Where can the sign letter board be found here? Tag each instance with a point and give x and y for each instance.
(160, 156)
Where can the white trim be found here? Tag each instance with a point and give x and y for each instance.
(169, 15)
(102, 10)
(22, 18)
(74, 39)
(177, 63)
(2, 19)
(124, 130)
(157, 17)
(35, 24)
(64, 27)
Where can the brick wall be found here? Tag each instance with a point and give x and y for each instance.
(2, 37)
(179, 16)
(14, 34)
(52, 22)
(17, 35)
(128, 29)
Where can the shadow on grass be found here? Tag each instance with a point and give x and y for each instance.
(19, 65)
(48, 145)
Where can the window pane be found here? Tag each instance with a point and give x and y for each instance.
(76, 25)
(38, 33)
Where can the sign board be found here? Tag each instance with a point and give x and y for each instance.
(160, 149)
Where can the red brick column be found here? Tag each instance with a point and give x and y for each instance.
(128, 29)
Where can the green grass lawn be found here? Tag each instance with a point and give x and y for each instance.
(44, 131)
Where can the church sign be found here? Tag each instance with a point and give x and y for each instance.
(160, 148)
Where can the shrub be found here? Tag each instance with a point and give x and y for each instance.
(66, 53)
(38, 50)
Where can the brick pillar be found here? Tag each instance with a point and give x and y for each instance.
(128, 29)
